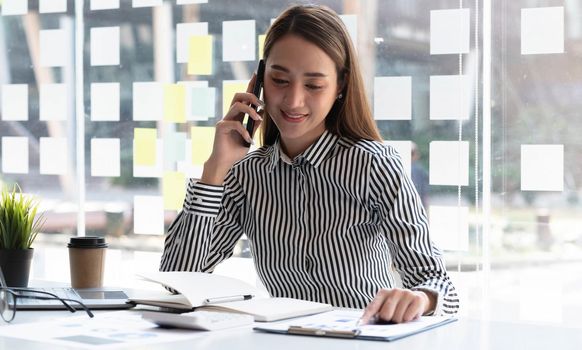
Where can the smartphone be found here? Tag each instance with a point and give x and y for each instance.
(257, 90)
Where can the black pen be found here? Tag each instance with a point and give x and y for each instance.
(227, 299)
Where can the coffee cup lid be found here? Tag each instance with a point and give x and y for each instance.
(87, 242)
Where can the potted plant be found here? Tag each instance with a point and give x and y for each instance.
(19, 226)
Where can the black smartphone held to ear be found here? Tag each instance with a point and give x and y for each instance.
(257, 89)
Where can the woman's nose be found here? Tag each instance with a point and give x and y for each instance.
(294, 95)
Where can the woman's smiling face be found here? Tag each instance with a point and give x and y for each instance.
(301, 86)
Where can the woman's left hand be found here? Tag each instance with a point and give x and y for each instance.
(398, 305)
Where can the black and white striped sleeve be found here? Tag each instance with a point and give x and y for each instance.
(403, 220)
(206, 230)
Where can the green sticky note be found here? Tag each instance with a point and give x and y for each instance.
(174, 148)
(144, 146)
(203, 103)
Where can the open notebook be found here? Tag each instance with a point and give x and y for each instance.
(204, 291)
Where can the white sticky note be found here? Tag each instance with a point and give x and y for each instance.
(186, 167)
(105, 157)
(105, 46)
(146, 3)
(393, 98)
(156, 170)
(14, 7)
(404, 149)
(54, 47)
(52, 6)
(185, 2)
(238, 41)
(104, 4)
(202, 104)
(542, 167)
(183, 32)
(542, 30)
(53, 102)
(15, 102)
(450, 97)
(449, 227)
(15, 155)
(104, 102)
(351, 23)
(449, 163)
(449, 31)
(53, 155)
(148, 215)
(148, 101)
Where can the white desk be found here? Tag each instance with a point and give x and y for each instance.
(463, 334)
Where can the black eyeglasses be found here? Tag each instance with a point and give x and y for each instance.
(9, 299)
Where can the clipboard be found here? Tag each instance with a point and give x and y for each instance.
(328, 325)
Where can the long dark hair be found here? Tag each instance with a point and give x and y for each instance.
(350, 115)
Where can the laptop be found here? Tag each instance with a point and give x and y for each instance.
(93, 298)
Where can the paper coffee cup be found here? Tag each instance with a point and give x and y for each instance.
(87, 261)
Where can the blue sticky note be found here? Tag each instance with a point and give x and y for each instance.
(203, 103)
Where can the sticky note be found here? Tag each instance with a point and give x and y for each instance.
(542, 167)
(15, 102)
(202, 138)
(393, 98)
(174, 190)
(542, 30)
(146, 3)
(148, 215)
(105, 46)
(229, 89)
(183, 33)
(52, 6)
(449, 227)
(449, 163)
(53, 102)
(105, 102)
(151, 171)
(238, 41)
(450, 97)
(53, 155)
(174, 103)
(104, 4)
(14, 7)
(54, 47)
(261, 40)
(449, 31)
(200, 55)
(351, 23)
(105, 157)
(148, 101)
(174, 148)
(202, 103)
(15, 155)
(404, 149)
(185, 2)
(144, 146)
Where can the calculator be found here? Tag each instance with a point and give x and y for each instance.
(199, 320)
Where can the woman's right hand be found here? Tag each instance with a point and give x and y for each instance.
(230, 136)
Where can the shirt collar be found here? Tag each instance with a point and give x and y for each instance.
(315, 154)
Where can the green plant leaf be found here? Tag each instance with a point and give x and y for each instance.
(19, 223)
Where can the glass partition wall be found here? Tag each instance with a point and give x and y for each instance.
(108, 108)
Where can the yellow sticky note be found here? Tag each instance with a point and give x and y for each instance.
(174, 189)
(200, 55)
(229, 88)
(202, 138)
(144, 146)
(261, 45)
(175, 103)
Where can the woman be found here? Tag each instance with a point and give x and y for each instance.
(326, 206)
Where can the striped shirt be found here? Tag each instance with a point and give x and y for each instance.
(326, 226)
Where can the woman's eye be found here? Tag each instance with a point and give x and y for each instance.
(312, 87)
(279, 81)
